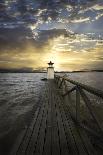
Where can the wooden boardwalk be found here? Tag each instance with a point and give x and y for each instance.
(52, 131)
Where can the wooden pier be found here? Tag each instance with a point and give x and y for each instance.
(55, 129)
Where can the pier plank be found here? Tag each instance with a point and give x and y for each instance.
(35, 133)
(25, 141)
(62, 137)
(42, 135)
(52, 137)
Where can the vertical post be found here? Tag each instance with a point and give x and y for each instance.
(58, 79)
(63, 86)
(55, 78)
(77, 105)
(61, 82)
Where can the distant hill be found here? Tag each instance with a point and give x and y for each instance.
(21, 70)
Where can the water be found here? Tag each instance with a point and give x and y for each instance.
(18, 95)
(94, 79)
(15, 88)
(19, 92)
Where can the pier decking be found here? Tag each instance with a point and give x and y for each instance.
(53, 130)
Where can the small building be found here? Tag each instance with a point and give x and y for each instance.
(50, 71)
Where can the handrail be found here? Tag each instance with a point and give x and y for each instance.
(79, 88)
(83, 86)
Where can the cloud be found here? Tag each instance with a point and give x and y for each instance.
(15, 37)
(80, 20)
(42, 30)
(98, 7)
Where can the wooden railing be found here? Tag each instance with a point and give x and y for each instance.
(81, 93)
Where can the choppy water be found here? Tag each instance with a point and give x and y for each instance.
(17, 87)
(20, 91)
(94, 79)
(18, 94)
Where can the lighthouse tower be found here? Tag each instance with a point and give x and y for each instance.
(50, 71)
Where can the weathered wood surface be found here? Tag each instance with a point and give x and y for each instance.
(52, 131)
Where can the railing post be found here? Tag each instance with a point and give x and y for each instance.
(77, 105)
(58, 80)
(61, 82)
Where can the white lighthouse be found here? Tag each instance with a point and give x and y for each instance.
(50, 71)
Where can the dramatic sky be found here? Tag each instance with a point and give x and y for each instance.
(67, 32)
